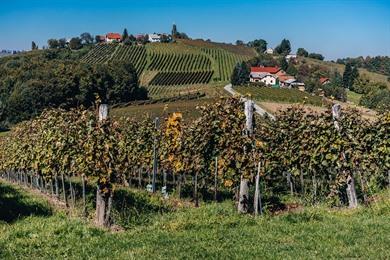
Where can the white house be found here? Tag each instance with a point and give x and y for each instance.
(265, 77)
(269, 51)
(152, 37)
(291, 57)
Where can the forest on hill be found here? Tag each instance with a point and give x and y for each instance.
(33, 81)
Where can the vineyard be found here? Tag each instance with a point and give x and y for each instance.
(101, 53)
(315, 157)
(279, 95)
(224, 62)
(135, 54)
(174, 64)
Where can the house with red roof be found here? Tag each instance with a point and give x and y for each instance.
(267, 75)
(111, 37)
(271, 70)
(324, 80)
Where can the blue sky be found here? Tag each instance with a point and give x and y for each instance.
(333, 28)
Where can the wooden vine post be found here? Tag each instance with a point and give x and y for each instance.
(257, 199)
(155, 157)
(351, 190)
(102, 200)
(216, 179)
(244, 184)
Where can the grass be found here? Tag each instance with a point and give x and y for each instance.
(279, 95)
(353, 97)
(211, 231)
(186, 107)
(3, 133)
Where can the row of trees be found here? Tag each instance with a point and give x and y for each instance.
(304, 53)
(283, 48)
(318, 157)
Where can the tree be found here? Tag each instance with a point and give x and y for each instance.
(53, 43)
(132, 38)
(283, 63)
(34, 46)
(284, 47)
(86, 38)
(174, 31)
(98, 39)
(240, 74)
(239, 43)
(302, 52)
(125, 35)
(75, 43)
(291, 70)
(260, 45)
(316, 56)
(62, 43)
(347, 76)
(127, 41)
(354, 77)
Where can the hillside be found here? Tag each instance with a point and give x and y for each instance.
(183, 63)
(375, 77)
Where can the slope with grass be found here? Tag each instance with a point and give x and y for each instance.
(279, 95)
(211, 231)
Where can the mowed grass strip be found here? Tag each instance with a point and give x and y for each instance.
(186, 107)
(212, 231)
(279, 95)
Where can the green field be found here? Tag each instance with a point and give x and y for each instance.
(279, 95)
(31, 229)
(182, 63)
(186, 107)
(353, 97)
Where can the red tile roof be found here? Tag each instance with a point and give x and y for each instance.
(285, 77)
(271, 70)
(114, 36)
(323, 80)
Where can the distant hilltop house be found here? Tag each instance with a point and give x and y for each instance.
(153, 37)
(291, 57)
(324, 81)
(113, 37)
(269, 51)
(274, 76)
(101, 38)
(139, 37)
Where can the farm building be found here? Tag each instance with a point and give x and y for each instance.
(291, 57)
(267, 78)
(101, 38)
(153, 37)
(324, 80)
(111, 37)
(271, 70)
